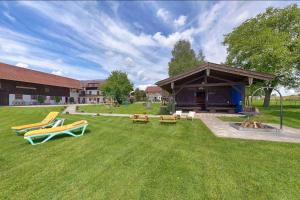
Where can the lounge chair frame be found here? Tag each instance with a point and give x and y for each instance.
(50, 125)
(51, 135)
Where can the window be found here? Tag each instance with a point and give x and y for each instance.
(33, 97)
(19, 96)
(90, 92)
(47, 90)
(97, 92)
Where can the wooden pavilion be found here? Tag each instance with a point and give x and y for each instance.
(211, 87)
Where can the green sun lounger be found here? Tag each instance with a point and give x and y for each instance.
(49, 121)
(75, 129)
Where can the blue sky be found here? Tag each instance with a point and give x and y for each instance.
(87, 40)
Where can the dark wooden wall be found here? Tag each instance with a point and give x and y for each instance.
(186, 96)
(10, 87)
(218, 95)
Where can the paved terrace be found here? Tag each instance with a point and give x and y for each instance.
(223, 129)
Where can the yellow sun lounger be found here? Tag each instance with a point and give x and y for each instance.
(49, 121)
(48, 133)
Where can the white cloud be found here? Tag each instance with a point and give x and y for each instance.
(110, 42)
(180, 21)
(286, 92)
(221, 19)
(109, 53)
(58, 72)
(107, 42)
(170, 40)
(9, 16)
(143, 87)
(129, 62)
(138, 25)
(23, 65)
(163, 14)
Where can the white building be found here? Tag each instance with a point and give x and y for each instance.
(90, 92)
(154, 93)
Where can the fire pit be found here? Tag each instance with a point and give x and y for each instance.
(256, 126)
(251, 125)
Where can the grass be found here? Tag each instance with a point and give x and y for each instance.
(291, 115)
(117, 159)
(135, 108)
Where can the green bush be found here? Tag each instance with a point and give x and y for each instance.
(71, 99)
(164, 110)
(57, 99)
(41, 99)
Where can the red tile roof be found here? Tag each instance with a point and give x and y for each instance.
(13, 73)
(86, 83)
(153, 89)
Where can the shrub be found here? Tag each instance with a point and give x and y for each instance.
(165, 110)
(41, 99)
(71, 99)
(131, 100)
(57, 99)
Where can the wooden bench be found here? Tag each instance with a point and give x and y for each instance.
(168, 119)
(140, 118)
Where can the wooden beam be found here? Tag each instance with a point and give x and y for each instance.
(190, 81)
(172, 85)
(207, 72)
(250, 80)
(211, 84)
(222, 79)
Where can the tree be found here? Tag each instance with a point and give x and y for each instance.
(200, 57)
(139, 95)
(117, 86)
(268, 43)
(184, 58)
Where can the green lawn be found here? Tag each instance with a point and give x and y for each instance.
(117, 159)
(135, 108)
(291, 115)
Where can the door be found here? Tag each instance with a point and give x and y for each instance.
(236, 97)
(200, 99)
(4, 98)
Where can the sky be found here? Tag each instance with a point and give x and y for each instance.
(88, 39)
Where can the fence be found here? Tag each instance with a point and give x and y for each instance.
(275, 100)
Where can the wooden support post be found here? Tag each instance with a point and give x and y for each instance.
(173, 97)
(250, 81)
(206, 89)
(244, 96)
(207, 72)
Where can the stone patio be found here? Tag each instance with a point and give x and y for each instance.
(223, 129)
